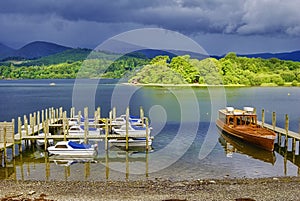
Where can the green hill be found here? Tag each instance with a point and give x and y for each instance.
(230, 70)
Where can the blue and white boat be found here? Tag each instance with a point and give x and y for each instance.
(70, 148)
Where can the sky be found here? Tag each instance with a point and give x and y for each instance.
(219, 26)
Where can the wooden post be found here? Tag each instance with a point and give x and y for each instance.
(4, 144)
(60, 113)
(114, 113)
(95, 119)
(110, 121)
(106, 165)
(286, 130)
(46, 115)
(127, 125)
(46, 133)
(127, 165)
(38, 121)
(43, 117)
(147, 134)
(86, 124)
(262, 117)
(106, 134)
(99, 112)
(56, 115)
(79, 117)
(34, 121)
(65, 125)
(53, 115)
(142, 115)
(294, 145)
(30, 123)
(26, 125)
(20, 133)
(274, 120)
(13, 138)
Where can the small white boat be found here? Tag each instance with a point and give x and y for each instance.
(70, 148)
(79, 130)
(41, 142)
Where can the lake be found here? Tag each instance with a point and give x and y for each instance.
(186, 143)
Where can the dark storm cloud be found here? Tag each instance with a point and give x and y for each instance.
(244, 17)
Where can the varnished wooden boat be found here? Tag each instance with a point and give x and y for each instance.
(243, 124)
(233, 144)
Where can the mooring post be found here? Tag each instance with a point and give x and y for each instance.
(34, 121)
(106, 134)
(114, 113)
(13, 138)
(110, 121)
(99, 112)
(38, 121)
(147, 134)
(46, 133)
(79, 117)
(26, 125)
(65, 125)
(127, 127)
(46, 115)
(60, 113)
(4, 144)
(142, 115)
(294, 145)
(57, 115)
(43, 118)
(30, 123)
(86, 124)
(20, 133)
(262, 117)
(95, 119)
(286, 130)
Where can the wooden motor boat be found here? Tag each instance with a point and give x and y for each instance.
(232, 144)
(243, 124)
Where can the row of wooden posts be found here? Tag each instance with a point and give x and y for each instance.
(58, 118)
(281, 131)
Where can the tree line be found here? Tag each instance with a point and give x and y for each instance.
(229, 70)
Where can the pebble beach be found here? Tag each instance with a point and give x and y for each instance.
(281, 188)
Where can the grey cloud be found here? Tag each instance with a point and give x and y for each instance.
(189, 16)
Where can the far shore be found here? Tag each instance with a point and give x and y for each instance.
(203, 85)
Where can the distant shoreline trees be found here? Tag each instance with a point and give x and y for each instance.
(229, 70)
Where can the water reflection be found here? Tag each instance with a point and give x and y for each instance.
(35, 164)
(232, 144)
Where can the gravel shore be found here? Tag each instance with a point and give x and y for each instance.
(283, 188)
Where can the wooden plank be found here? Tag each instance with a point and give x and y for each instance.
(282, 131)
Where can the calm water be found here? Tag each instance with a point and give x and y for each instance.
(187, 144)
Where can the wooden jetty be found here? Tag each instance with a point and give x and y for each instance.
(283, 134)
(56, 119)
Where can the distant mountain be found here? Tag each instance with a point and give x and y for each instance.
(5, 51)
(39, 49)
(69, 55)
(32, 50)
(293, 56)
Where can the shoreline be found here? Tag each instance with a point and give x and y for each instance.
(275, 188)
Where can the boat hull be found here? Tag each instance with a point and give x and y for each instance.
(131, 142)
(251, 135)
(63, 152)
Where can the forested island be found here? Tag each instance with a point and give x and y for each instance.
(138, 69)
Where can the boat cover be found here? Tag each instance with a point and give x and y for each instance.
(76, 145)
